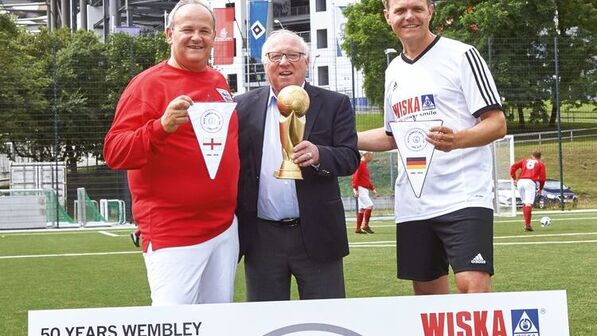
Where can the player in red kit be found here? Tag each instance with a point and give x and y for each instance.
(361, 184)
(185, 214)
(532, 172)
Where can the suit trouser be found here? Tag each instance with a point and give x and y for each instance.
(278, 253)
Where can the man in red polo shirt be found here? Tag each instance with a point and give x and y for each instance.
(184, 212)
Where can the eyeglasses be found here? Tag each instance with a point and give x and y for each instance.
(291, 57)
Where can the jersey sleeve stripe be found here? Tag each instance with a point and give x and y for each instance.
(478, 70)
(490, 91)
(470, 62)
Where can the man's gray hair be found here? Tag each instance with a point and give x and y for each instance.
(191, 2)
(269, 43)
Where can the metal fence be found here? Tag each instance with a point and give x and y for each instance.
(58, 95)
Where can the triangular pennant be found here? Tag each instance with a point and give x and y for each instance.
(415, 152)
(210, 122)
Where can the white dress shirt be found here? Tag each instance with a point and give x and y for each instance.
(277, 197)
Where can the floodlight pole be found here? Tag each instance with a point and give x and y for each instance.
(280, 23)
(388, 52)
(313, 68)
(56, 144)
(556, 57)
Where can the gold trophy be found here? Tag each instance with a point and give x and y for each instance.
(293, 103)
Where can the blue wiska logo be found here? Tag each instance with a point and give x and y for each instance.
(427, 102)
(525, 322)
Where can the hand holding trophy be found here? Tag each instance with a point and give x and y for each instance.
(293, 103)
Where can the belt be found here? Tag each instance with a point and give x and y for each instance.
(288, 222)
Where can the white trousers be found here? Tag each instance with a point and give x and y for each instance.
(364, 199)
(526, 188)
(202, 273)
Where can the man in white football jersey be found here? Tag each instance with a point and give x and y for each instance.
(442, 108)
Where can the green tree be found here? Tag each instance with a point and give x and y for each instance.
(577, 28)
(69, 80)
(506, 33)
(521, 48)
(367, 36)
(514, 36)
(81, 80)
(22, 83)
(128, 56)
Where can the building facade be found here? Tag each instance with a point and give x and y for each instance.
(320, 23)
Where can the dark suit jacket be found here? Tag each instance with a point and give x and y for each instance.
(331, 126)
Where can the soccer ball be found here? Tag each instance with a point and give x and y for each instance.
(545, 221)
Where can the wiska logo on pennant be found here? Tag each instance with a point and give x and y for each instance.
(210, 122)
(415, 152)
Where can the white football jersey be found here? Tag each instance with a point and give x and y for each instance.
(450, 82)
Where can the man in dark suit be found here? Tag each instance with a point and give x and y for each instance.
(293, 227)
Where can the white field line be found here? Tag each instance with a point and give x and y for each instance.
(380, 245)
(51, 231)
(351, 226)
(548, 242)
(67, 255)
(499, 237)
(391, 243)
(131, 227)
(385, 244)
(519, 213)
(372, 242)
(537, 217)
(547, 235)
(27, 232)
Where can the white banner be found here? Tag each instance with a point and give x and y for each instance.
(495, 314)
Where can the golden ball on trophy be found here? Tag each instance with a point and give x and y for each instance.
(293, 103)
(293, 99)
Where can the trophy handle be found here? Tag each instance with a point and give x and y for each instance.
(285, 137)
(297, 129)
(292, 130)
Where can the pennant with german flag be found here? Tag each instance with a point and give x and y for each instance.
(416, 163)
(415, 152)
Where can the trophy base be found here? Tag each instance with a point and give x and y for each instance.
(289, 171)
(288, 174)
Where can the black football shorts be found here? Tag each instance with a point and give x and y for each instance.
(462, 239)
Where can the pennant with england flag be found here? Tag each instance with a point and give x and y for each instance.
(210, 122)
